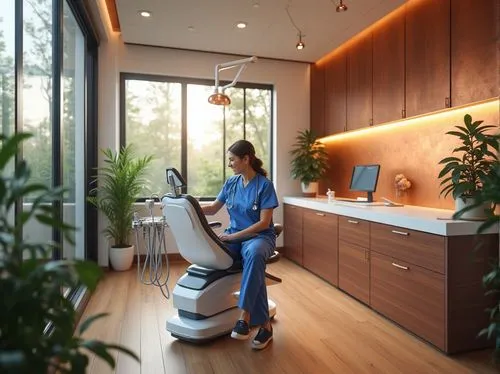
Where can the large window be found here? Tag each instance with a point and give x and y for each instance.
(48, 55)
(171, 119)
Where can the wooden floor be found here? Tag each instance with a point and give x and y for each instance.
(317, 329)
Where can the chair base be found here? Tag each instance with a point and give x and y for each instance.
(204, 330)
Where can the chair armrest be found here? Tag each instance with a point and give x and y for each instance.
(215, 224)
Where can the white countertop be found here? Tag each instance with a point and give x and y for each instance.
(434, 221)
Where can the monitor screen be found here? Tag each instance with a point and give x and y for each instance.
(364, 178)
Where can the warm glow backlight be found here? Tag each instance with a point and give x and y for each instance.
(428, 119)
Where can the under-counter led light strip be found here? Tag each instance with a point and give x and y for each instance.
(491, 104)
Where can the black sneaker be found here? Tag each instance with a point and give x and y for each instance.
(263, 338)
(241, 331)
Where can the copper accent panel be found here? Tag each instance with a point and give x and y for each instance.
(412, 147)
(409, 295)
(113, 15)
(414, 247)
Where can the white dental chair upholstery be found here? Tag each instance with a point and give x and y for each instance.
(206, 295)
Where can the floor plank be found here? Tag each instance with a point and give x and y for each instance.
(317, 329)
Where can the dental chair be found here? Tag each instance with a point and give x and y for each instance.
(206, 296)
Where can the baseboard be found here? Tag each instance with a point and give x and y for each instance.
(172, 257)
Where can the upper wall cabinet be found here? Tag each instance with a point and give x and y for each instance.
(359, 84)
(427, 56)
(389, 70)
(474, 69)
(335, 94)
(317, 106)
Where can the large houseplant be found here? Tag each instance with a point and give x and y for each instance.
(463, 176)
(37, 322)
(118, 184)
(309, 161)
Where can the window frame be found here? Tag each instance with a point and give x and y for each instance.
(124, 76)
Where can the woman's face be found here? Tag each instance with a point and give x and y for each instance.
(237, 164)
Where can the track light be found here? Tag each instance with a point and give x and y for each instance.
(300, 44)
(341, 7)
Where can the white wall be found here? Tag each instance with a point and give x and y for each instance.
(291, 100)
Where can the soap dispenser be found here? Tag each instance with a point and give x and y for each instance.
(331, 195)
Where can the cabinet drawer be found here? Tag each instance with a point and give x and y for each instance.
(415, 247)
(409, 295)
(355, 231)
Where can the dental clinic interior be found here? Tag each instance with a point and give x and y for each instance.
(369, 275)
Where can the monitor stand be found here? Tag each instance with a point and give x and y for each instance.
(370, 196)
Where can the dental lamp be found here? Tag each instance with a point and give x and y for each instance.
(219, 97)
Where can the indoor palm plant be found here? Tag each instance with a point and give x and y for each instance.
(463, 175)
(118, 184)
(37, 321)
(309, 161)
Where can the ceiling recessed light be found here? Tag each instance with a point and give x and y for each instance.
(191, 28)
(145, 13)
(241, 25)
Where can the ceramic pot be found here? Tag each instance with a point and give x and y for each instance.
(310, 190)
(478, 213)
(121, 258)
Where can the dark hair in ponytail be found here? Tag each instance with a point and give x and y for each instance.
(243, 148)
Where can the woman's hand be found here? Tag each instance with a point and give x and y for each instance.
(226, 237)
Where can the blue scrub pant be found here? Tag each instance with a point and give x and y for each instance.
(253, 293)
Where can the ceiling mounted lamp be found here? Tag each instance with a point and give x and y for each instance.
(300, 44)
(219, 97)
(341, 7)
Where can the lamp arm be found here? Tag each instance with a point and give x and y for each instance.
(230, 65)
(235, 78)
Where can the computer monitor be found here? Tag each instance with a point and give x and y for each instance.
(365, 178)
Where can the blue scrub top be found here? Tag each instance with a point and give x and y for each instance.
(240, 200)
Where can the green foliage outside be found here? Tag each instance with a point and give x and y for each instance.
(36, 320)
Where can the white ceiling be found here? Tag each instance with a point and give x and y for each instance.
(270, 32)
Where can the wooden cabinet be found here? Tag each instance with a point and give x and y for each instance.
(389, 70)
(320, 248)
(336, 94)
(359, 84)
(317, 96)
(427, 56)
(410, 295)
(474, 43)
(292, 229)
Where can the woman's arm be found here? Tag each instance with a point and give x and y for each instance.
(266, 216)
(212, 208)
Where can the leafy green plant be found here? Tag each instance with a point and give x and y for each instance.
(463, 176)
(119, 183)
(490, 193)
(36, 321)
(309, 158)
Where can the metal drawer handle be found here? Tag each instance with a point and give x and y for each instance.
(400, 232)
(351, 221)
(400, 266)
(320, 214)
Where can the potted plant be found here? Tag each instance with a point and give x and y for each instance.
(119, 183)
(37, 328)
(463, 176)
(309, 161)
(490, 194)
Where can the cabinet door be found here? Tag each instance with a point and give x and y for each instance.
(354, 271)
(335, 94)
(427, 56)
(321, 244)
(409, 295)
(389, 70)
(318, 99)
(474, 68)
(292, 230)
(359, 84)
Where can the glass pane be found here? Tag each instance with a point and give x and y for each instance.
(153, 126)
(258, 123)
(7, 79)
(204, 142)
(73, 126)
(37, 101)
(234, 120)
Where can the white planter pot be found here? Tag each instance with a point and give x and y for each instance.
(311, 190)
(121, 258)
(478, 213)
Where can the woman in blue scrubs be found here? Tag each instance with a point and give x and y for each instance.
(250, 199)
